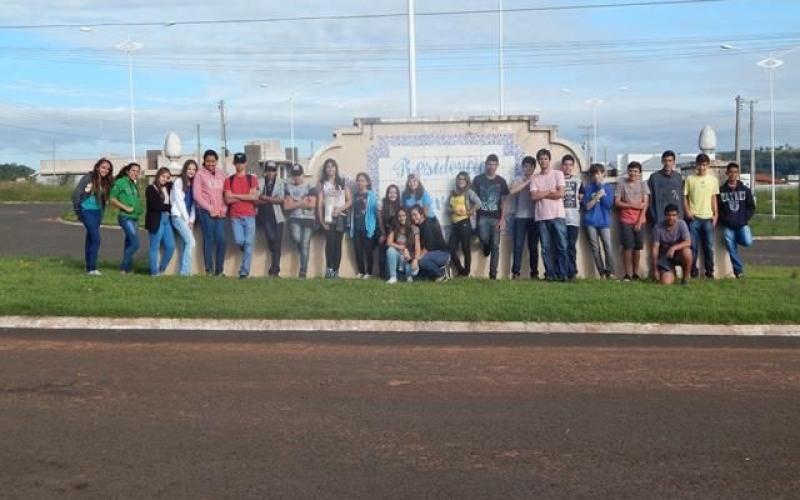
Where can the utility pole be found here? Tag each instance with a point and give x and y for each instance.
(737, 145)
(54, 160)
(753, 147)
(198, 143)
(223, 137)
(585, 139)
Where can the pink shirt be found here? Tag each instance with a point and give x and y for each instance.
(207, 190)
(546, 209)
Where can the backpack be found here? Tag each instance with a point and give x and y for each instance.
(249, 181)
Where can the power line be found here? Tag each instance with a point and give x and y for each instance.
(344, 17)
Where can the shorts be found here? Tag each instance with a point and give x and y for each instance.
(667, 265)
(631, 238)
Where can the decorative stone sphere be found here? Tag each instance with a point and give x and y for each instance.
(172, 150)
(707, 140)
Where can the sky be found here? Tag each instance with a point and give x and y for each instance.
(65, 92)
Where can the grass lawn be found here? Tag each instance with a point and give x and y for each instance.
(31, 192)
(59, 287)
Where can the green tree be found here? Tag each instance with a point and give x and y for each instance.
(12, 171)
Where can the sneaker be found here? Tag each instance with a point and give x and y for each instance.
(635, 277)
(94, 273)
(302, 276)
(492, 276)
(329, 273)
(391, 281)
(409, 279)
(366, 277)
(359, 276)
(243, 276)
(442, 278)
(515, 276)
(709, 276)
(535, 276)
(684, 282)
(626, 278)
(738, 276)
(694, 273)
(611, 276)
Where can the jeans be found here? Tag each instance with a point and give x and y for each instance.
(213, 234)
(91, 221)
(461, 237)
(525, 230)
(432, 263)
(702, 232)
(274, 235)
(165, 236)
(603, 234)
(733, 238)
(553, 238)
(187, 246)
(395, 262)
(131, 229)
(244, 235)
(301, 236)
(572, 250)
(490, 236)
(364, 248)
(333, 248)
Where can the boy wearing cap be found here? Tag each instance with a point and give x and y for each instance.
(270, 214)
(300, 202)
(241, 193)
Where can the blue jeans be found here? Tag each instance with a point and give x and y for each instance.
(91, 221)
(432, 263)
(301, 235)
(187, 247)
(244, 235)
(213, 234)
(525, 230)
(572, 250)
(603, 234)
(395, 263)
(165, 236)
(702, 232)
(490, 236)
(733, 238)
(131, 229)
(553, 238)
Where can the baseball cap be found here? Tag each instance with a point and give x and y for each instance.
(270, 165)
(239, 158)
(297, 169)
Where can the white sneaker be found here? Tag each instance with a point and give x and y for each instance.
(409, 279)
(94, 273)
(366, 277)
(391, 281)
(359, 276)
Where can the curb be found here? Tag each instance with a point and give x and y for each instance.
(375, 326)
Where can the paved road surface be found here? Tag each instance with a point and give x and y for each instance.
(191, 415)
(33, 230)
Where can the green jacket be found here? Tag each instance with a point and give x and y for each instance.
(127, 193)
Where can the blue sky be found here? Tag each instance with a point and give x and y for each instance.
(67, 90)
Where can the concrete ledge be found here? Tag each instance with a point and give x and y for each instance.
(377, 326)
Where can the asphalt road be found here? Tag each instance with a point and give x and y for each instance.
(193, 415)
(33, 229)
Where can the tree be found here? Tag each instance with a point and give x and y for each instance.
(12, 171)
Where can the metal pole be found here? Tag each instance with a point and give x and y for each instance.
(753, 148)
(130, 84)
(737, 144)
(291, 123)
(198, 144)
(594, 131)
(772, 132)
(412, 60)
(502, 62)
(223, 136)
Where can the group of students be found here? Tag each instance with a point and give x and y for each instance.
(549, 208)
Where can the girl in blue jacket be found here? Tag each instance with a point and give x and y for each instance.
(364, 215)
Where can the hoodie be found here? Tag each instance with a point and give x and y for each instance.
(736, 205)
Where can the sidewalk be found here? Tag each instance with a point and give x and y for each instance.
(374, 326)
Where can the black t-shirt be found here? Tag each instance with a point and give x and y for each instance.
(490, 191)
(266, 213)
(430, 237)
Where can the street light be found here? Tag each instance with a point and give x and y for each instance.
(770, 64)
(594, 103)
(292, 93)
(130, 46)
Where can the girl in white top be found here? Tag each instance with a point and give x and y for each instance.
(183, 214)
(333, 202)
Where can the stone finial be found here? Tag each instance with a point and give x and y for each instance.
(708, 141)
(172, 150)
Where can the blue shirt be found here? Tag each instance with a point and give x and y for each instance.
(425, 201)
(188, 200)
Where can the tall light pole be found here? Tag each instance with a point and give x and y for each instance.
(501, 60)
(770, 64)
(292, 93)
(412, 61)
(594, 103)
(129, 46)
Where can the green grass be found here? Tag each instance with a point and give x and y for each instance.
(31, 192)
(765, 225)
(58, 287)
(787, 201)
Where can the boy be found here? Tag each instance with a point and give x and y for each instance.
(492, 191)
(547, 194)
(701, 190)
(597, 202)
(736, 207)
(666, 188)
(671, 247)
(632, 200)
(524, 226)
(573, 195)
(270, 215)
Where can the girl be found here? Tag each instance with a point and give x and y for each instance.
(402, 243)
(386, 213)
(183, 214)
(461, 205)
(365, 221)
(415, 194)
(125, 196)
(89, 199)
(332, 205)
(157, 221)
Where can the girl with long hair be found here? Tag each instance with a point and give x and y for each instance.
(89, 200)
(125, 196)
(333, 202)
(386, 212)
(364, 225)
(461, 205)
(402, 244)
(157, 221)
(183, 214)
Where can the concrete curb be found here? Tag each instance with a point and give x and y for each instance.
(376, 326)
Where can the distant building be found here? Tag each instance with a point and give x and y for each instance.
(55, 172)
